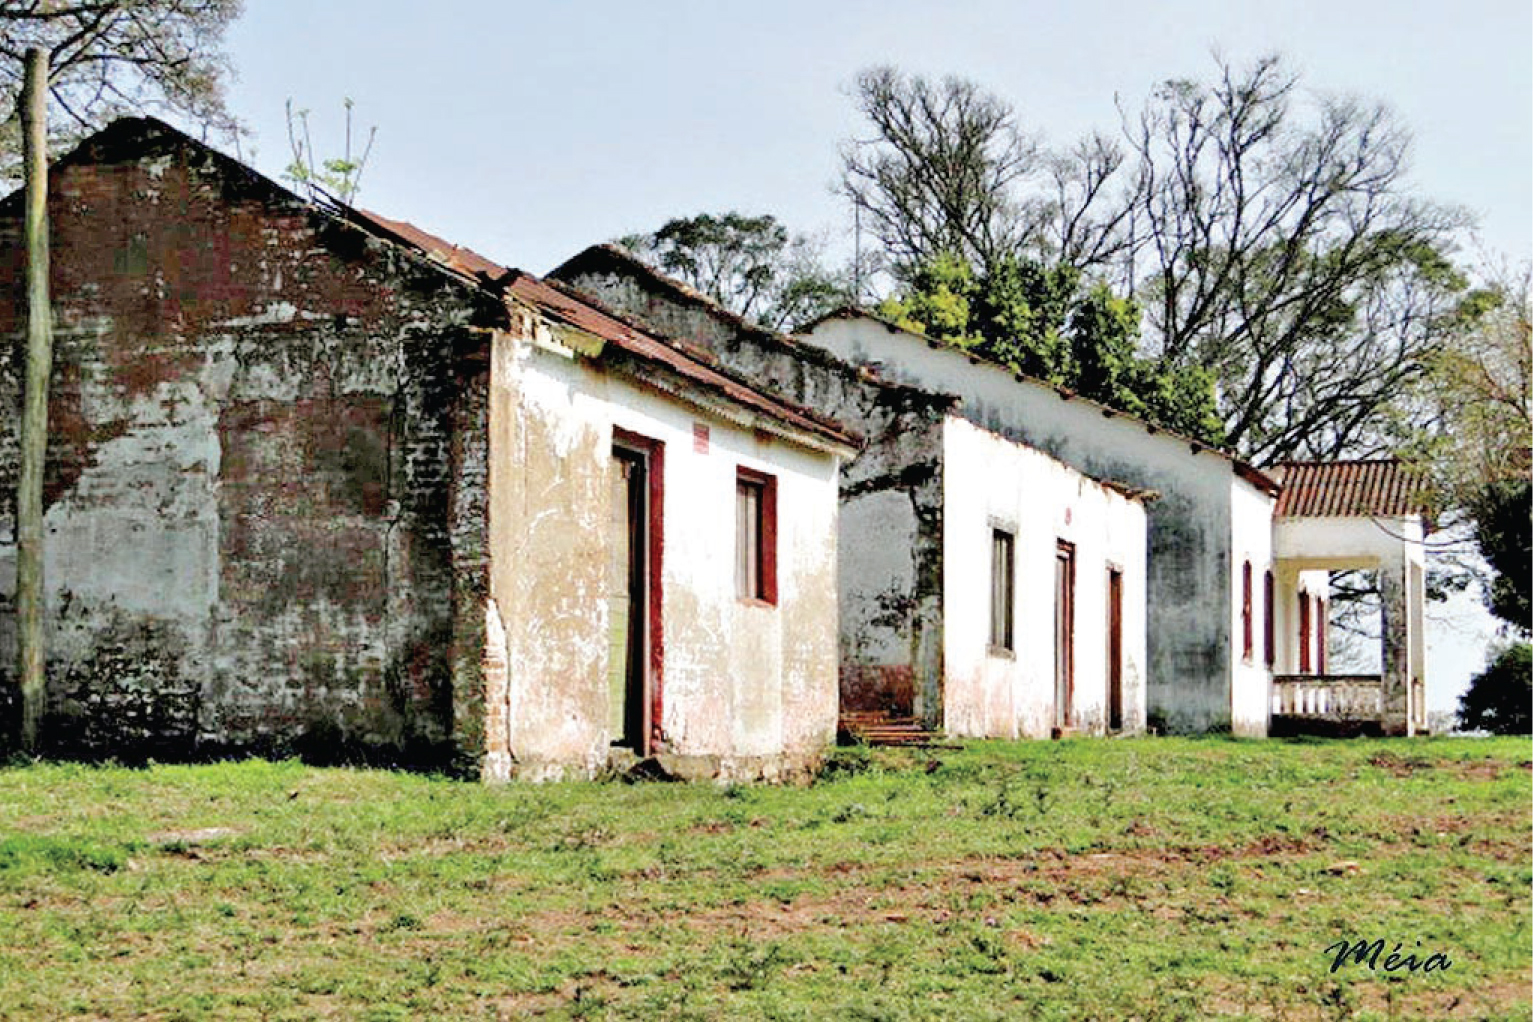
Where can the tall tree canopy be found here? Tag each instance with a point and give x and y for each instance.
(1479, 449)
(1279, 244)
(109, 57)
(941, 175)
(1048, 321)
(751, 265)
(1271, 241)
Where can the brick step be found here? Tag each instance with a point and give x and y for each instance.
(881, 729)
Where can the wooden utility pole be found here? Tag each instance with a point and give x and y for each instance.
(34, 413)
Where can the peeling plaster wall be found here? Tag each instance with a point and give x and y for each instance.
(891, 494)
(249, 533)
(748, 691)
(1191, 648)
(993, 482)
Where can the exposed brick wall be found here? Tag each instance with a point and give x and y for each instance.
(250, 492)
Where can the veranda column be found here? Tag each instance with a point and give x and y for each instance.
(1396, 683)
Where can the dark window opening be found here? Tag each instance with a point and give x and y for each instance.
(1269, 620)
(1246, 622)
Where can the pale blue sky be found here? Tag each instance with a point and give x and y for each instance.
(528, 131)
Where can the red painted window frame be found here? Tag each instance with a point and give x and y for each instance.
(655, 452)
(1320, 630)
(1304, 633)
(1247, 624)
(766, 533)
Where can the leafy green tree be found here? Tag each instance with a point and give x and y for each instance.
(112, 57)
(1499, 698)
(750, 265)
(1503, 530)
(1050, 323)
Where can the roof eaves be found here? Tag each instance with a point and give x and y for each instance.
(1244, 470)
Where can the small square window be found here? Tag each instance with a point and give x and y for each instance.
(756, 536)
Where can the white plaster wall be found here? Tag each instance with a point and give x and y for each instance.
(1250, 542)
(1190, 668)
(1341, 542)
(752, 688)
(990, 481)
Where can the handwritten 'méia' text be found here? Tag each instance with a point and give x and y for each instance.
(1363, 953)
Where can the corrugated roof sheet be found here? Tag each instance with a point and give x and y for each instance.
(465, 261)
(584, 314)
(1357, 489)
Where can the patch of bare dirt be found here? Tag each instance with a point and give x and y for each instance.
(1462, 769)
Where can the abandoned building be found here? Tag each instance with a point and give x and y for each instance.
(1210, 521)
(316, 480)
(987, 588)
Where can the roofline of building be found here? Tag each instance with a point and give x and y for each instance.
(1244, 470)
(134, 132)
(610, 253)
(1417, 495)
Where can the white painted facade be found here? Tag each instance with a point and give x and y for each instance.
(747, 690)
(1208, 507)
(918, 507)
(1250, 544)
(991, 483)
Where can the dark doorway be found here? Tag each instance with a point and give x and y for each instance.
(628, 600)
(1114, 649)
(1064, 633)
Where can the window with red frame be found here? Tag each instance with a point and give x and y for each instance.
(755, 536)
(1269, 619)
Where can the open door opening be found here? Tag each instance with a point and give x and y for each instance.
(628, 601)
(1064, 634)
(1114, 649)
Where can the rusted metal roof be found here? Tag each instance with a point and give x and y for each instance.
(585, 314)
(1355, 489)
(455, 257)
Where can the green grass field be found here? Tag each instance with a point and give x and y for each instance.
(1149, 879)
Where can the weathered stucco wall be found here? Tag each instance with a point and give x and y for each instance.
(747, 690)
(991, 482)
(1250, 543)
(891, 519)
(1190, 643)
(249, 516)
